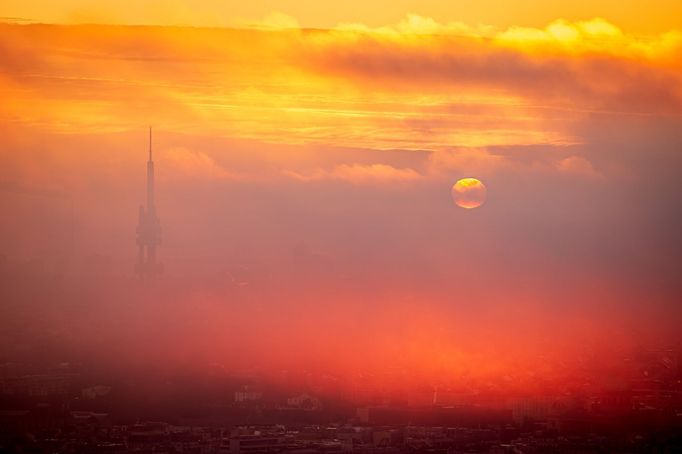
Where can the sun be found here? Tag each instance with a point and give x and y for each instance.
(469, 193)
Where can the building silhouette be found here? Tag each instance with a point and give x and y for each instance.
(148, 229)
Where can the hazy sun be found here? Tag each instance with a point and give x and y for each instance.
(469, 193)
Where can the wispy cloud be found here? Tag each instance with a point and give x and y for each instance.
(416, 85)
(360, 174)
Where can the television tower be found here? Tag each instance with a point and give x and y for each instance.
(148, 229)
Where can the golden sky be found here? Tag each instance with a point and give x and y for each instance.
(635, 16)
(418, 84)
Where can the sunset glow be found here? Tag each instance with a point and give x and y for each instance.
(303, 159)
(469, 193)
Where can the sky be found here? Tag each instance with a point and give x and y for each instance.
(305, 157)
(639, 17)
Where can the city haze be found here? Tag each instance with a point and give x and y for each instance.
(303, 190)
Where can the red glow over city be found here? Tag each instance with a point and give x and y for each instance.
(357, 228)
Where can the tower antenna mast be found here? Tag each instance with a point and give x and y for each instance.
(148, 228)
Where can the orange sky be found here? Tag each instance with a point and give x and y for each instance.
(319, 162)
(636, 16)
(453, 85)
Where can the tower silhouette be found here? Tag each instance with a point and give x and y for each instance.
(148, 229)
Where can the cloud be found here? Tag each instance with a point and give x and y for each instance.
(360, 174)
(589, 65)
(415, 24)
(483, 162)
(474, 161)
(420, 85)
(559, 36)
(191, 164)
(578, 165)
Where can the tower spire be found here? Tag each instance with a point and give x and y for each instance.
(150, 178)
(148, 229)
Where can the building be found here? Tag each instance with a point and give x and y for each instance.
(304, 402)
(253, 444)
(148, 229)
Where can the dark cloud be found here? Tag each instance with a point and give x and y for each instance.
(585, 82)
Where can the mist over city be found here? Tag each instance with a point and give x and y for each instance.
(402, 229)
